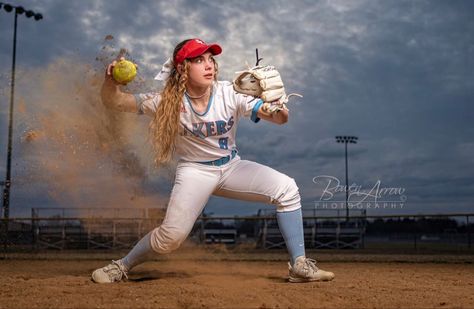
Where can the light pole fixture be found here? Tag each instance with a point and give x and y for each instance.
(18, 10)
(347, 140)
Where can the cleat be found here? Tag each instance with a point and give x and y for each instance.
(113, 272)
(305, 270)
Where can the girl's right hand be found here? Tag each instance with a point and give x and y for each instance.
(109, 70)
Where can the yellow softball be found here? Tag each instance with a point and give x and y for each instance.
(124, 71)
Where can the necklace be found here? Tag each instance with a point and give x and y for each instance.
(196, 97)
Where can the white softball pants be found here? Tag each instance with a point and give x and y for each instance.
(238, 179)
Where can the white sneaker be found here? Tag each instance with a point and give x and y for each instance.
(305, 270)
(110, 273)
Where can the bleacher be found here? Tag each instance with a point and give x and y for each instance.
(106, 228)
(322, 229)
(212, 231)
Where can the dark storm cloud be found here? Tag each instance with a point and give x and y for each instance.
(398, 74)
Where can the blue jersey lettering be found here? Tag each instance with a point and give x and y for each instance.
(223, 143)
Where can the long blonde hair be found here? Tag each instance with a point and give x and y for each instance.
(164, 127)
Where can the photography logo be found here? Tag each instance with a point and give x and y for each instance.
(376, 196)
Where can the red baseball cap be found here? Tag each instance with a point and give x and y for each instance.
(194, 48)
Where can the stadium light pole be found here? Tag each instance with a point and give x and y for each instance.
(347, 140)
(18, 10)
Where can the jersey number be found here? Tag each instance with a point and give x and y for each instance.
(223, 143)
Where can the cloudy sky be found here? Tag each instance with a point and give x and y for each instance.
(396, 74)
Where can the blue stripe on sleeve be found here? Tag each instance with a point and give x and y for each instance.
(255, 109)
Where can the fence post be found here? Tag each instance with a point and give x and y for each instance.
(416, 233)
(36, 233)
(63, 234)
(33, 240)
(5, 236)
(114, 231)
(468, 232)
(202, 235)
(264, 234)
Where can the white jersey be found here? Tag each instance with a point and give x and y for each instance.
(209, 135)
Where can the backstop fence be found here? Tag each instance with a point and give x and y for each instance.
(114, 228)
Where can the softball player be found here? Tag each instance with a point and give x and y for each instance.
(194, 119)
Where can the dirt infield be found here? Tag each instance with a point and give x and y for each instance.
(188, 283)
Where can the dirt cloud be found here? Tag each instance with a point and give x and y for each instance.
(69, 147)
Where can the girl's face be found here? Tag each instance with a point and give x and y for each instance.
(202, 70)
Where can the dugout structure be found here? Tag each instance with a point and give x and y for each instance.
(323, 228)
(210, 230)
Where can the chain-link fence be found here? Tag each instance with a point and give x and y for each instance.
(110, 228)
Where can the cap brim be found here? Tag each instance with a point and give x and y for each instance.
(213, 48)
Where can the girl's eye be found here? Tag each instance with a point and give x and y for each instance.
(201, 60)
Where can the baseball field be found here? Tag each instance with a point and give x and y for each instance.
(213, 279)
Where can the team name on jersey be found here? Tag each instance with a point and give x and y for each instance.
(211, 128)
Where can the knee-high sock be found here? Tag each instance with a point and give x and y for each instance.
(139, 254)
(291, 227)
